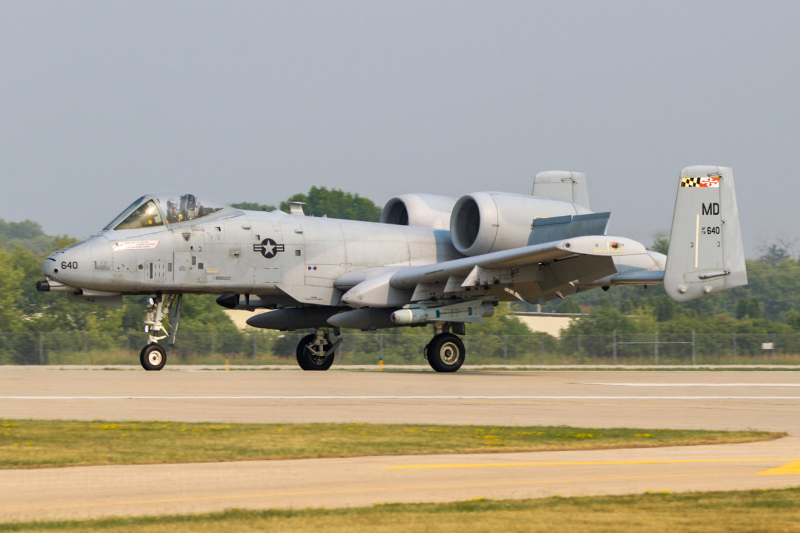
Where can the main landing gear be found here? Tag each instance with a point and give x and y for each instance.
(446, 352)
(316, 351)
(154, 356)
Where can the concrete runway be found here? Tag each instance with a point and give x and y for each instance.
(701, 400)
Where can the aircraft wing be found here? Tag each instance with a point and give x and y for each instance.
(533, 271)
(595, 245)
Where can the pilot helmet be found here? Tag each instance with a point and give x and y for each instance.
(172, 210)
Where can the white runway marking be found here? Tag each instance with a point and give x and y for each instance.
(394, 397)
(698, 384)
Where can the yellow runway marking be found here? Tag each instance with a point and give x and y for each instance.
(351, 491)
(791, 468)
(588, 463)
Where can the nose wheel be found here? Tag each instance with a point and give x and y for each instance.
(153, 357)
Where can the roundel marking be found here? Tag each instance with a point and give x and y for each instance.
(268, 248)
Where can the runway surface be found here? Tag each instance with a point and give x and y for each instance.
(693, 400)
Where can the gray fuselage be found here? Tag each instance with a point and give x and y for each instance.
(264, 253)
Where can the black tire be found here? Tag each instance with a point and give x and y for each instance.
(307, 360)
(153, 357)
(445, 353)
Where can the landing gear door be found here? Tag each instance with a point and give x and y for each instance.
(182, 268)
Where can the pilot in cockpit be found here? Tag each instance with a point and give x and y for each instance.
(187, 208)
(173, 212)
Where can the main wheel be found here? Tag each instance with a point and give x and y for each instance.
(153, 357)
(445, 353)
(308, 360)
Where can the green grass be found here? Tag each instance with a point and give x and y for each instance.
(712, 512)
(52, 443)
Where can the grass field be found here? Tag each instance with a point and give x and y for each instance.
(51, 443)
(711, 512)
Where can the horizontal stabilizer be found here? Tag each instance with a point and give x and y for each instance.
(638, 277)
(567, 227)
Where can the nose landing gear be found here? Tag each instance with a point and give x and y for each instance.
(154, 356)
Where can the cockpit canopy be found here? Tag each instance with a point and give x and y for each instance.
(166, 208)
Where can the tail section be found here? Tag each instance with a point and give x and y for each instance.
(705, 245)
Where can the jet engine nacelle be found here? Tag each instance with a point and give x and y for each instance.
(425, 210)
(485, 222)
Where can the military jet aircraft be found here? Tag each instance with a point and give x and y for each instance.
(432, 260)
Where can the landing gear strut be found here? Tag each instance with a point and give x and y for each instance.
(445, 352)
(315, 351)
(154, 356)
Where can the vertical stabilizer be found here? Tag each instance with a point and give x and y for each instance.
(705, 245)
(564, 185)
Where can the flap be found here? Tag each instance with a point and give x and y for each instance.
(567, 227)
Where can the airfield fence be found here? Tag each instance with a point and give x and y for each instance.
(267, 347)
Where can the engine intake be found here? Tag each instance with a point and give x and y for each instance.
(485, 222)
(427, 210)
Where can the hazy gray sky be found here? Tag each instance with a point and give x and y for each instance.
(103, 101)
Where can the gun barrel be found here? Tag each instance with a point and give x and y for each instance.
(49, 285)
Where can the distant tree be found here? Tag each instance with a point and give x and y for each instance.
(335, 203)
(661, 244)
(602, 320)
(754, 309)
(502, 323)
(28, 235)
(199, 313)
(27, 229)
(568, 306)
(748, 308)
(741, 308)
(663, 307)
(10, 291)
(253, 206)
(793, 319)
(627, 307)
(774, 253)
(321, 201)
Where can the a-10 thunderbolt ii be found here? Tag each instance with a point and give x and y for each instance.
(430, 260)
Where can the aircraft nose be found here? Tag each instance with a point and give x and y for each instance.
(49, 267)
(72, 265)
